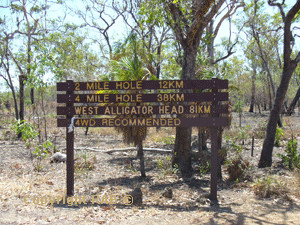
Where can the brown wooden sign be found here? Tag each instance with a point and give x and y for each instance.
(145, 109)
(147, 122)
(143, 85)
(134, 98)
(182, 113)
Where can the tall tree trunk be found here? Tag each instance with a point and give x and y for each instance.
(266, 154)
(288, 69)
(253, 88)
(293, 104)
(182, 151)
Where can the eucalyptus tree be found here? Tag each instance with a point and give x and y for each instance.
(24, 25)
(188, 20)
(147, 20)
(6, 65)
(70, 56)
(99, 18)
(289, 65)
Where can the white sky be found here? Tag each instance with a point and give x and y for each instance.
(119, 30)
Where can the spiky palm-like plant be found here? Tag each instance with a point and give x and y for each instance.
(131, 68)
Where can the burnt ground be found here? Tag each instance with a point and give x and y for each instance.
(117, 173)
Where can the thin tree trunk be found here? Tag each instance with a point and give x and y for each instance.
(44, 112)
(141, 155)
(21, 82)
(293, 103)
(253, 89)
(201, 141)
(221, 154)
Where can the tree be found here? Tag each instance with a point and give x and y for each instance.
(5, 64)
(24, 27)
(131, 67)
(289, 67)
(188, 20)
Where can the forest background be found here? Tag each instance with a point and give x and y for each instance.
(43, 42)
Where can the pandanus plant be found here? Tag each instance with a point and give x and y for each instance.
(132, 68)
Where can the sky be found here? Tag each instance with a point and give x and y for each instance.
(119, 30)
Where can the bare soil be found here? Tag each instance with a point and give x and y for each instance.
(118, 174)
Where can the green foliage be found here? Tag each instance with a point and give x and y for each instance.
(204, 167)
(164, 165)
(166, 140)
(28, 134)
(278, 135)
(261, 131)
(28, 131)
(130, 63)
(239, 106)
(243, 134)
(291, 159)
(41, 152)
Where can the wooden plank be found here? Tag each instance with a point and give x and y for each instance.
(143, 85)
(146, 109)
(147, 122)
(161, 97)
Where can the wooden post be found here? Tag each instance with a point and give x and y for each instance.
(214, 164)
(70, 145)
(214, 151)
(252, 148)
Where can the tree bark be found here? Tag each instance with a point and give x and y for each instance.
(182, 152)
(21, 83)
(293, 104)
(253, 89)
(266, 154)
(141, 155)
(189, 35)
(288, 69)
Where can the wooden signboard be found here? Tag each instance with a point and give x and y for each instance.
(177, 109)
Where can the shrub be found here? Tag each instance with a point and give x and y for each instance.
(291, 159)
(270, 187)
(85, 162)
(204, 167)
(278, 135)
(28, 131)
(237, 169)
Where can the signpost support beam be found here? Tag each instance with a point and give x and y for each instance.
(214, 150)
(70, 145)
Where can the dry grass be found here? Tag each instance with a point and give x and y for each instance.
(85, 161)
(294, 184)
(270, 186)
(285, 187)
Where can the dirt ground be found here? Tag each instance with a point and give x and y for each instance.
(114, 175)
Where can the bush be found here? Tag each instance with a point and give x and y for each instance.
(237, 169)
(278, 135)
(85, 162)
(291, 159)
(270, 187)
(204, 167)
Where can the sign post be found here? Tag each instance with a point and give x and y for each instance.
(70, 144)
(171, 104)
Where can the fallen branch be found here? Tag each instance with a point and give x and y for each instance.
(108, 151)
